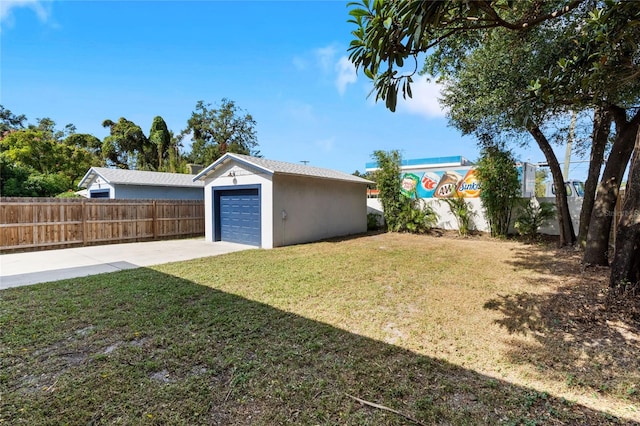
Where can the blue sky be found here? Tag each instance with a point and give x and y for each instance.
(284, 62)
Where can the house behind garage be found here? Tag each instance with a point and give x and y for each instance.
(269, 203)
(102, 182)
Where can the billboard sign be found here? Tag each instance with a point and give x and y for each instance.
(441, 184)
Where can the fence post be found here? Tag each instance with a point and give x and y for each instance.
(34, 218)
(83, 217)
(154, 222)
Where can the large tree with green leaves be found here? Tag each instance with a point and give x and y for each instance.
(625, 268)
(42, 161)
(127, 147)
(601, 72)
(164, 143)
(218, 130)
(487, 95)
(9, 121)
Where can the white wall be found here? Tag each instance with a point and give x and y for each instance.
(316, 209)
(240, 177)
(575, 205)
(447, 220)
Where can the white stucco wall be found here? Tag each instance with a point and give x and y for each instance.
(240, 177)
(316, 209)
(575, 205)
(447, 220)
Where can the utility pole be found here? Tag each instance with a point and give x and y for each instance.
(567, 154)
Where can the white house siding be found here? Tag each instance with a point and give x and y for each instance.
(316, 209)
(240, 177)
(156, 192)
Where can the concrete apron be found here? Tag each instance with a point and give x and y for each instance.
(21, 269)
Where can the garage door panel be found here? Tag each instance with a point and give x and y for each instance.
(240, 216)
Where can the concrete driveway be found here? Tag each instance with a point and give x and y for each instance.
(52, 265)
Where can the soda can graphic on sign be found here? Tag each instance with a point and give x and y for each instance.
(469, 186)
(428, 183)
(448, 185)
(409, 184)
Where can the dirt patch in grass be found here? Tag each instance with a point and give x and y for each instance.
(445, 330)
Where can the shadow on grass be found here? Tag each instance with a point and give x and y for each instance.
(547, 260)
(585, 337)
(139, 346)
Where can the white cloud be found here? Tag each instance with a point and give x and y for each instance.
(330, 68)
(424, 101)
(325, 57)
(7, 6)
(325, 144)
(346, 74)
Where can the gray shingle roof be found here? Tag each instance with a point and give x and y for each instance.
(139, 177)
(281, 167)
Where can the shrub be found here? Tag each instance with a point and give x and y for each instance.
(461, 210)
(68, 194)
(374, 221)
(412, 218)
(388, 180)
(532, 216)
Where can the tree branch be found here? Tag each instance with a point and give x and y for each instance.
(382, 407)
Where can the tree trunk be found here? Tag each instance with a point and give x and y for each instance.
(625, 268)
(597, 248)
(565, 226)
(601, 128)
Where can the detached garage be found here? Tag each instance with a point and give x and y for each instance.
(268, 203)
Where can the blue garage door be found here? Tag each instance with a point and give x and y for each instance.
(239, 216)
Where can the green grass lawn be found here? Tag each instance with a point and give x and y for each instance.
(442, 330)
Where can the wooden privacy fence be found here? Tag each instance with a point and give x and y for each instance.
(44, 223)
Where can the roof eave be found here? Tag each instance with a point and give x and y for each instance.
(223, 160)
(363, 181)
(89, 177)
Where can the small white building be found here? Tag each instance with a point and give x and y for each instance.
(102, 182)
(268, 203)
